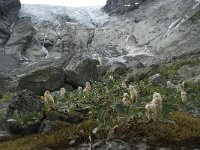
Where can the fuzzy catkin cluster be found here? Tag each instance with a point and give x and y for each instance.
(133, 93)
(171, 85)
(153, 107)
(50, 100)
(124, 86)
(62, 92)
(80, 89)
(157, 100)
(87, 88)
(180, 87)
(183, 96)
(151, 111)
(126, 100)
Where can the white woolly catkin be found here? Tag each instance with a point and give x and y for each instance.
(157, 100)
(133, 93)
(80, 89)
(88, 86)
(49, 99)
(180, 87)
(183, 96)
(125, 99)
(124, 85)
(170, 85)
(151, 111)
(62, 92)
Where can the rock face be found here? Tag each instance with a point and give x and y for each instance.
(22, 43)
(162, 29)
(42, 79)
(9, 10)
(121, 6)
(87, 70)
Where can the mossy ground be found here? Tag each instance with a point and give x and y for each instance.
(158, 133)
(174, 127)
(5, 99)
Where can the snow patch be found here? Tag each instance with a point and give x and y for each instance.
(89, 16)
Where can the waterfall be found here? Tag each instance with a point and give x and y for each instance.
(195, 6)
(171, 27)
(45, 51)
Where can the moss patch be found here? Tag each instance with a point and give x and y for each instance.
(53, 140)
(186, 127)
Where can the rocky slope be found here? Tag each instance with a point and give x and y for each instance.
(144, 32)
(167, 29)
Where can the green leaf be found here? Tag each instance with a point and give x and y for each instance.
(119, 108)
(167, 109)
(136, 105)
(110, 85)
(168, 121)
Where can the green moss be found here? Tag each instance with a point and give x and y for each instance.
(53, 140)
(6, 98)
(159, 133)
(186, 127)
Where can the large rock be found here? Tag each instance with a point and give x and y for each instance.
(85, 71)
(71, 77)
(157, 80)
(9, 10)
(118, 68)
(22, 104)
(25, 102)
(42, 79)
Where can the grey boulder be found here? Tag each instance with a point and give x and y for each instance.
(42, 79)
(85, 71)
(24, 103)
(157, 80)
